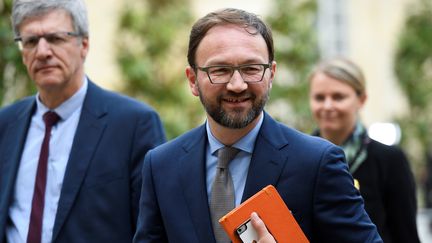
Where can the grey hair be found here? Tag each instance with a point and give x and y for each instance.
(24, 9)
(343, 70)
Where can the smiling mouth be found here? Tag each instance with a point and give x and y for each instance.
(328, 117)
(236, 100)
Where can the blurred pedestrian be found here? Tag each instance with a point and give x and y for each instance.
(382, 173)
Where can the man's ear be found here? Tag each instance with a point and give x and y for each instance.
(85, 45)
(192, 78)
(273, 73)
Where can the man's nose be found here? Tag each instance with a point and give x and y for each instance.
(43, 48)
(236, 83)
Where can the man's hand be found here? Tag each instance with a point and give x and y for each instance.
(264, 235)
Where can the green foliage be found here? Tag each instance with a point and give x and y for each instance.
(296, 50)
(413, 66)
(152, 58)
(14, 82)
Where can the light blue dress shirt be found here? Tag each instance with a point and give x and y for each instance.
(62, 135)
(239, 166)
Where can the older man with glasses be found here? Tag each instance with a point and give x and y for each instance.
(70, 156)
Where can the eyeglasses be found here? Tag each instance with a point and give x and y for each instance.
(29, 42)
(251, 73)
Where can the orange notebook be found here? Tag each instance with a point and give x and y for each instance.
(270, 207)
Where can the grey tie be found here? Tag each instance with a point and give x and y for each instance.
(222, 194)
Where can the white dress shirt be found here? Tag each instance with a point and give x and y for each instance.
(62, 135)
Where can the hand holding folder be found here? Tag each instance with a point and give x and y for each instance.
(270, 207)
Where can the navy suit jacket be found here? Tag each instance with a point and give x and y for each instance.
(310, 174)
(101, 187)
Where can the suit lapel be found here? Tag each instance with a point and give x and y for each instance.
(267, 160)
(90, 128)
(10, 155)
(265, 168)
(195, 191)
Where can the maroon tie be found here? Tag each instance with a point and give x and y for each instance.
(35, 227)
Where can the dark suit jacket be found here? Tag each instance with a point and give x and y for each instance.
(101, 187)
(388, 188)
(309, 173)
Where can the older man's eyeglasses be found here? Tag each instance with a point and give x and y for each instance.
(29, 42)
(222, 74)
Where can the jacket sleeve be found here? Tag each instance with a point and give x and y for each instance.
(149, 133)
(339, 214)
(150, 226)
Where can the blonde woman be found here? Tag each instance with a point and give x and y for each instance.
(381, 172)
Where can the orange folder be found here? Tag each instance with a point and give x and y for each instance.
(270, 207)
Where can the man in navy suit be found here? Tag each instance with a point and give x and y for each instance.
(231, 70)
(93, 169)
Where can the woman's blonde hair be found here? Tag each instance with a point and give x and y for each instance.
(343, 70)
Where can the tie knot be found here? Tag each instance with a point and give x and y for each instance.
(225, 155)
(50, 118)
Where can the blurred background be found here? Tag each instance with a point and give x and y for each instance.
(138, 47)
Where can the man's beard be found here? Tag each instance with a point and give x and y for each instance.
(236, 120)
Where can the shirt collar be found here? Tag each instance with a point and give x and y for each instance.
(68, 107)
(246, 143)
